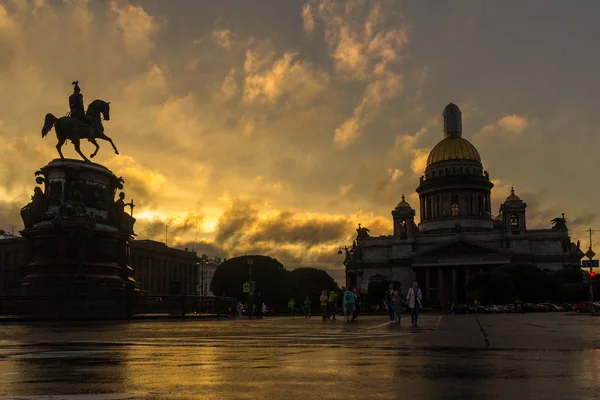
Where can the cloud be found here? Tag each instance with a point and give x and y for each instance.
(287, 76)
(140, 181)
(136, 28)
(229, 87)
(308, 18)
(384, 87)
(364, 41)
(507, 126)
(419, 161)
(513, 124)
(223, 38)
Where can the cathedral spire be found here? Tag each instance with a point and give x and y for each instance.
(452, 121)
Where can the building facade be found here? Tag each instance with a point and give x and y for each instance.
(458, 235)
(12, 258)
(159, 270)
(162, 271)
(208, 267)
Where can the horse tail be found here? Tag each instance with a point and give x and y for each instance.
(49, 122)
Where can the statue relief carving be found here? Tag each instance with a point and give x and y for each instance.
(35, 211)
(123, 221)
(559, 222)
(363, 233)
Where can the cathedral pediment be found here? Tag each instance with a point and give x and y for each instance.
(460, 247)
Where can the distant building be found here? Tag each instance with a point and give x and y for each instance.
(162, 270)
(159, 270)
(12, 257)
(208, 267)
(457, 236)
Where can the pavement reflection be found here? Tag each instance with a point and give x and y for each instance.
(280, 358)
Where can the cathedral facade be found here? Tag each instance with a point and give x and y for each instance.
(458, 235)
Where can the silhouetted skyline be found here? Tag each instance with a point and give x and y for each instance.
(277, 127)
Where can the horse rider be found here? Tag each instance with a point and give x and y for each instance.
(78, 110)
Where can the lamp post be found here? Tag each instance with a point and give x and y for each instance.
(203, 259)
(347, 261)
(250, 262)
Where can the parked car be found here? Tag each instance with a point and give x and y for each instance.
(586, 307)
(477, 309)
(493, 309)
(460, 309)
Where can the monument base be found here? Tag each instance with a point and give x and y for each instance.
(77, 243)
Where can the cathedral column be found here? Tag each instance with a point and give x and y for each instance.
(440, 284)
(454, 297)
(467, 273)
(428, 283)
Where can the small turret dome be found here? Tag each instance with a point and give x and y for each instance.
(513, 196)
(403, 203)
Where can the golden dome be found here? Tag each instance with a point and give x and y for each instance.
(513, 196)
(403, 203)
(453, 148)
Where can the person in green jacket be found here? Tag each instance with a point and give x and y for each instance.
(292, 307)
(332, 305)
(349, 303)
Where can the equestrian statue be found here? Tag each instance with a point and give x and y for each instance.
(79, 124)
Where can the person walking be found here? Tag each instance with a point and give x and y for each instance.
(307, 304)
(413, 298)
(292, 307)
(240, 309)
(398, 305)
(348, 303)
(356, 303)
(387, 302)
(259, 306)
(250, 305)
(332, 305)
(324, 301)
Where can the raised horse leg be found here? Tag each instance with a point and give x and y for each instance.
(104, 137)
(97, 148)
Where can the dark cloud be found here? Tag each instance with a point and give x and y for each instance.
(287, 227)
(235, 220)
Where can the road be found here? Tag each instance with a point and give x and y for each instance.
(530, 356)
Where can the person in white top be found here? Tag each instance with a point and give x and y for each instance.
(413, 298)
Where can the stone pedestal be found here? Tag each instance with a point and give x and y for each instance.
(77, 239)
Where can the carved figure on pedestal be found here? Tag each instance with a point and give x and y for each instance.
(559, 222)
(79, 125)
(123, 221)
(35, 211)
(363, 233)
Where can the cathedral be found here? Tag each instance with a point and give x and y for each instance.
(458, 235)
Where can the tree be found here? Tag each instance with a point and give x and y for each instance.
(274, 283)
(531, 283)
(310, 282)
(491, 287)
(271, 277)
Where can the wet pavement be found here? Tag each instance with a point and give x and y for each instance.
(531, 356)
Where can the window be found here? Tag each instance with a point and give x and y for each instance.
(454, 210)
(514, 221)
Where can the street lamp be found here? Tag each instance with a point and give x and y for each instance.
(203, 259)
(348, 260)
(250, 262)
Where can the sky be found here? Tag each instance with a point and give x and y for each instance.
(275, 127)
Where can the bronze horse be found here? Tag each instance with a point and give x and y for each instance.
(72, 129)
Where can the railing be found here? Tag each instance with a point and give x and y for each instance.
(101, 307)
